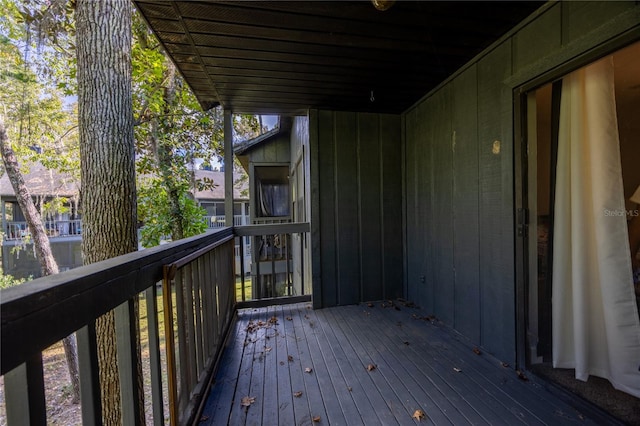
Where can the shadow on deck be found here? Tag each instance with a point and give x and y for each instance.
(367, 365)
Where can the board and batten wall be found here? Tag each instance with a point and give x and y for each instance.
(356, 211)
(460, 190)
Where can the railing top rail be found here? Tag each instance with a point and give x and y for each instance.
(272, 228)
(38, 314)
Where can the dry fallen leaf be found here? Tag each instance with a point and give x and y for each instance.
(289, 319)
(418, 415)
(247, 401)
(522, 376)
(476, 351)
(370, 305)
(349, 388)
(281, 362)
(371, 367)
(297, 394)
(504, 364)
(406, 343)
(267, 348)
(457, 370)
(290, 358)
(316, 419)
(308, 370)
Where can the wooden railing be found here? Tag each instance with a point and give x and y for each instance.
(199, 293)
(277, 260)
(201, 315)
(197, 272)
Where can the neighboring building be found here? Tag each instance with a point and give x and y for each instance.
(56, 196)
(212, 199)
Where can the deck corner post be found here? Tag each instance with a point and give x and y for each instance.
(228, 168)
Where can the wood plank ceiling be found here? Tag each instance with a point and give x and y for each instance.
(285, 57)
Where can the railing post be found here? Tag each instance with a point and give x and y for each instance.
(228, 168)
(24, 393)
(89, 375)
(151, 296)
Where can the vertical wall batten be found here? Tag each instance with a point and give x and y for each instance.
(465, 205)
(391, 201)
(442, 223)
(326, 208)
(370, 202)
(315, 212)
(347, 208)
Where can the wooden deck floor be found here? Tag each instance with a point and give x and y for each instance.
(296, 364)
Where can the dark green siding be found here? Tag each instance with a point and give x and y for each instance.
(459, 168)
(360, 210)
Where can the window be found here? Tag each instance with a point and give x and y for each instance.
(272, 191)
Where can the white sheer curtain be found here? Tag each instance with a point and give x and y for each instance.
(595, 319)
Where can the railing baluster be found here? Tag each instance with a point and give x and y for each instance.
(182, 357)
(197, 299)
(126, 341)
(204, 305)
(242, 271)
(216, 279)
(89, 375)
(302, 259)
(167, 296)
(257, 285)
(213, 309)
(272, 293)
(190, 367)
(286, 259)
(151, 295)
(24, 393)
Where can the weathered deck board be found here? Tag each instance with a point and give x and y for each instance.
(415, 361)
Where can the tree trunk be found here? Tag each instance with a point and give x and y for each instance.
(48, 264)
(103, 40)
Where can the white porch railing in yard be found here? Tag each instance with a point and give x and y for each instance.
(17, 230)
(219, 221)
(54, 228)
